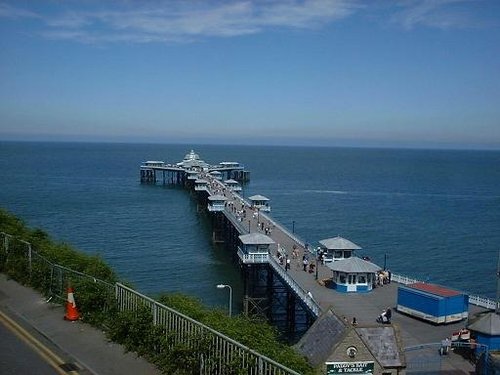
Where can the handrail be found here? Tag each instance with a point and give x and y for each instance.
(157, 305)
(301, 293)
(473, 299)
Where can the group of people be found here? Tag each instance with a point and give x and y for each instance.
(383, 277)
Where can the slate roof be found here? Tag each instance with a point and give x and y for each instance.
(339, 243)
(353, 265)
(328, 331)
(320, 339)
(383, 344)
(489, 324)
(256, 239)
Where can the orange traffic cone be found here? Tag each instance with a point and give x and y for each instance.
(71, 310)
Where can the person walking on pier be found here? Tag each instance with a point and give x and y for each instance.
(287, 264)
(305, 262)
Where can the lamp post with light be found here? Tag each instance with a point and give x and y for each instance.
(222, 286)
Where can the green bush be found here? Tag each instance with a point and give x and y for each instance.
(135, 329)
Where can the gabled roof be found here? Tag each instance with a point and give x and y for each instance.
(353, 265)
(258, 197)
(256, 239)
(328, 333)
(383, 344)
(321, 337)
(489, 324)
(339, 243)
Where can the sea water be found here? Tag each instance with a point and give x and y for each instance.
(430, 214)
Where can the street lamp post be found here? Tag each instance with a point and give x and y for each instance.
(222, 286)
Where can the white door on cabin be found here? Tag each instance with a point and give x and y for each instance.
(351, 283)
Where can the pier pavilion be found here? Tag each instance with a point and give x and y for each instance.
(337, 248)
(353, 274)
(233, 185)
(255, 248)
(260, 202)
(192, 161)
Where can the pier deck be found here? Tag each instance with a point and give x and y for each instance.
(365, 306)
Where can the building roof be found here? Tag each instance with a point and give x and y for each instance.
(353, 265)
(191, 160)
(317, 343)
(489, 324)
(328, 333)
(256, 239)
(383, 344)
(339, 243)
(258, 197)
(435, 289)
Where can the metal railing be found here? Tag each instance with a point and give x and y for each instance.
(253, 258)
(299, 291)
(221, 350)
(485, 302)
(53, 278)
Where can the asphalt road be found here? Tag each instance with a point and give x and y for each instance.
(23, 353)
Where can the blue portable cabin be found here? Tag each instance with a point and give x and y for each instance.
(433, 303)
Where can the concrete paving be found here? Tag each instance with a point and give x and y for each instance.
(84, 345)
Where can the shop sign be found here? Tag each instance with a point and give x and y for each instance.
(334, 368)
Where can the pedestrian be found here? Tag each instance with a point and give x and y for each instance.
(354, 321)
(305, 262)
(287, 264)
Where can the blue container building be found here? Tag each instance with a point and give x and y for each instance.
(433, 303)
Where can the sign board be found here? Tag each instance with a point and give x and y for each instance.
(334, 368)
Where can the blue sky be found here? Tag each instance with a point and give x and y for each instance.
(409, 73)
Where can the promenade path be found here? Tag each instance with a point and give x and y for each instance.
(364, 306)
(76, 342)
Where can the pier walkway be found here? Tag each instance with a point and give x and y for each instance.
(365, 306)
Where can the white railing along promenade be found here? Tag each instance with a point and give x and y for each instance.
(473, 299)
(253, 258)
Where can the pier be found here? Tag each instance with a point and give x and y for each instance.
(292, 298)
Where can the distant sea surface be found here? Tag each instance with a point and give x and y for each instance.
(432, 214)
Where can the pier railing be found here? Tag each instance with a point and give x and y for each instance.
(487, 303)
(253, 258)
(299, 291)
(221, 351)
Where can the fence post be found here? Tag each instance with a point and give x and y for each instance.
(6, 242)
(29, 258)
(117, 297)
